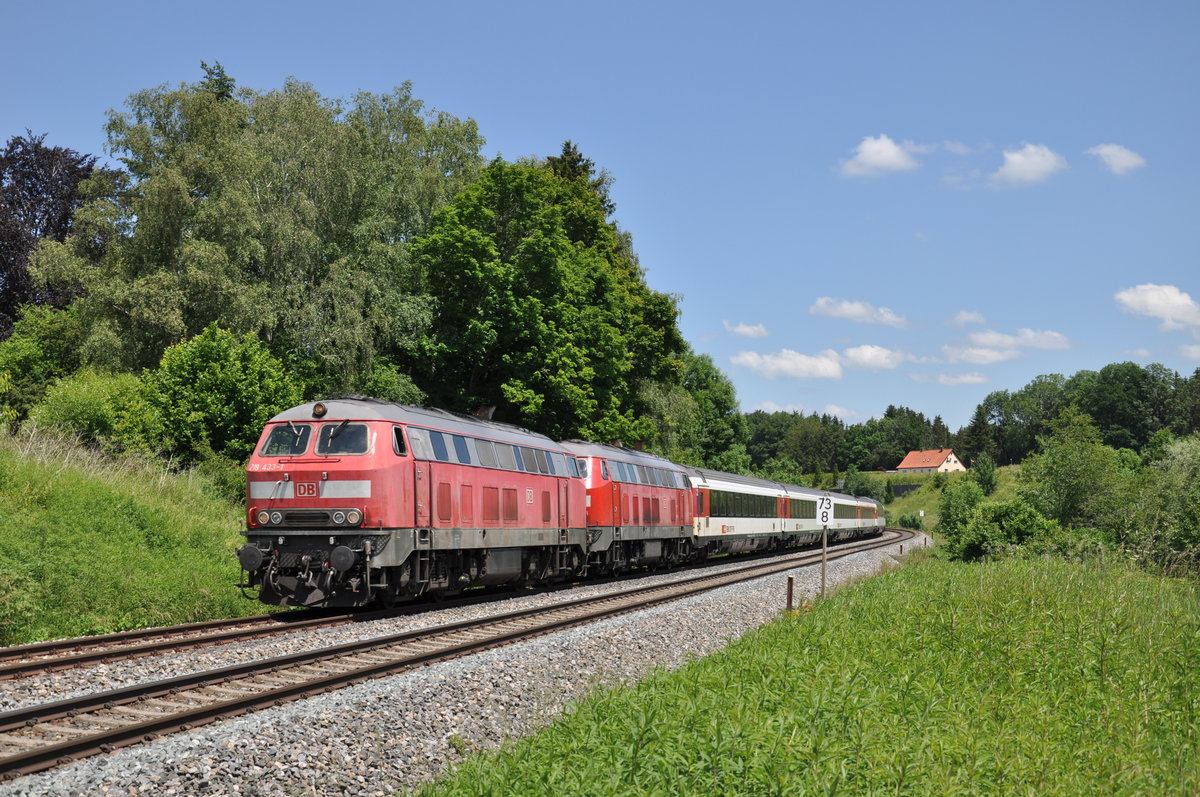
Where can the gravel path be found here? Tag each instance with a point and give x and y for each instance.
(393, 733)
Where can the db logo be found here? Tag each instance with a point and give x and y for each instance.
(306, 489)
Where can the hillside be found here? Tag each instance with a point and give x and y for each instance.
(927, 496)
(89, 544)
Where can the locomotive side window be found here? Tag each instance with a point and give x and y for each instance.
(287, 440)
(558, 464)
(439, 446)
(342, 438)
(573, 468)
(460, 448)
(486, 452)
(398, 440)
(419, 440)
(529, 460)
(582, 465)
(506, 456)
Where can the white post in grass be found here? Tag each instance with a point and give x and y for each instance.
(824, 556)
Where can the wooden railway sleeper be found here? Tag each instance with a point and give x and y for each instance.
(63, 730)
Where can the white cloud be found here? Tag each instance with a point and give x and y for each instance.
(964, 317)
(957, 148)
(979, 355)
(746, 330)
(876, 156)
(1119, 160)
(845, 413)
(1176, 309)
(771, 406)
(1025, 338)
(861, 312)
(1141, 354)
(1031, 163)
(826, 365)
(875, 358)
(961, 379)
(1191, 352)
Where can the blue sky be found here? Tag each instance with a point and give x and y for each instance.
(857, 204)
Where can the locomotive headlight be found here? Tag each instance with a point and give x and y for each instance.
(263, 517)
(354, 517)
(276, 518)
(339, 517)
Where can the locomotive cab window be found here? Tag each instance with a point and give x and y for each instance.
(398, 441)
(287, 440)
(342, 438)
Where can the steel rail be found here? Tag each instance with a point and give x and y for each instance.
(41, 657)
(410, 649)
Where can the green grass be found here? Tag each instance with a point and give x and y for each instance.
(1015, 677)
(90, 544)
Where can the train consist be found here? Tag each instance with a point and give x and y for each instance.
(355, 501)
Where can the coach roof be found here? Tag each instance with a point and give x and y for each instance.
(360, 408)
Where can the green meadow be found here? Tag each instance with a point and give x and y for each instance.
(1013, 677)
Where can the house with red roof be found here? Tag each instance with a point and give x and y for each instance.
(942, 459)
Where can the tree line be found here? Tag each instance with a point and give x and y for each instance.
(258, 248)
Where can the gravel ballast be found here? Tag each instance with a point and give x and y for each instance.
(390, 734)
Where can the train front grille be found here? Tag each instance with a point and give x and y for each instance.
(306, 517)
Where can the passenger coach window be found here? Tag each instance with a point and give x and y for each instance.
(342, 438)
(287, 440)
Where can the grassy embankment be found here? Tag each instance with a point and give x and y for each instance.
(89, 544)
(1002, 678)
(926, 497)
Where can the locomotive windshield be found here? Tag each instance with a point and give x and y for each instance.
(287, 440)
(342, 438)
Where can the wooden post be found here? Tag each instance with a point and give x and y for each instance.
(824, 556)
(791, 584)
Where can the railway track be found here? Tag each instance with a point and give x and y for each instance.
(22, 661)
(41, 737)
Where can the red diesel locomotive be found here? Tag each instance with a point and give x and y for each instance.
(356, 501)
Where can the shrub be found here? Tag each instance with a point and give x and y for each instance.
(214, 393)
(910, 521)
(994, 528)
(983, 471)
(89, 405)
(958, 502)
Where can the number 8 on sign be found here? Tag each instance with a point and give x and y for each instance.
(825, 509)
